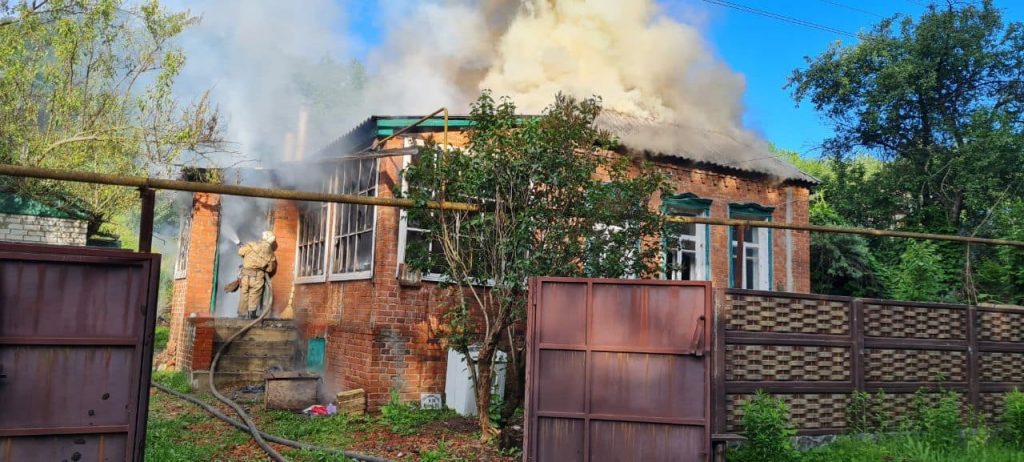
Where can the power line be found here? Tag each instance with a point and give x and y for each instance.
(781, 17)
(852, 8)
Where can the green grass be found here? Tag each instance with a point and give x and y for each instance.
(174, 380)
(173, 438)
(908, 448)
(406, 418)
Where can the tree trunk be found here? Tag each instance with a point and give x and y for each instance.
(515, 391)
(483, 392)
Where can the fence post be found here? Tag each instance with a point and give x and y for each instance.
(973, 385)
(857, 343)
(718, 396)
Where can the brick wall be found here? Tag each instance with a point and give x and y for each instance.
(42, 230)
(383, 336)
(723, 190)
(192, 293)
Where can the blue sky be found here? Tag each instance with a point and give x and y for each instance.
(764, 50)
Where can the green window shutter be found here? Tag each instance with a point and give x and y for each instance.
(750, 210)
(685, 203)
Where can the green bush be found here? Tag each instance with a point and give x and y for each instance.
(768, 431)
(1013, 419)
(941, 423)
(864, 414)
(160, 337)
(405, 418)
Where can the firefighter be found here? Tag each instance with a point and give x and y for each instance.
(258, 261)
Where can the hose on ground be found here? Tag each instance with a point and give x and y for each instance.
(250, 425)
(266, 436)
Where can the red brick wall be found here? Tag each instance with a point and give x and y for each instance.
(202, 332)
(382, 336)
(192, 294)
(723, 190)
(286, 216)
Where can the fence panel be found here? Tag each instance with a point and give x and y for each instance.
(814, 351)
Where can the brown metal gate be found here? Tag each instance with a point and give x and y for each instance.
(617, 370)
(76, 348)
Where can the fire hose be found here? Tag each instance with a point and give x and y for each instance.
(247, 423)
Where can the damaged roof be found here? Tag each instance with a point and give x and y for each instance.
(708, 149)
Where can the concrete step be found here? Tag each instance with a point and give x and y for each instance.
(225, 379)
(257, 334)
(251, 347)
(256, 364)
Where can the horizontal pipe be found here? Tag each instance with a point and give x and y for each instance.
(233, 190)
(287, 194)
(842, 230)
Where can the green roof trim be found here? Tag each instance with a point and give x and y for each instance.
(750, 210)
(685, 203)
(388, 127)
(13, 204)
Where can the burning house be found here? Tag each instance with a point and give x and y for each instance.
(341, 291)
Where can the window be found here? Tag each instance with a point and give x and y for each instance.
(353, 230)
(339, 236)
(411, 235)
(312, 242)
(685, 244)
(757, 248)
(600, 264)
(184, 242)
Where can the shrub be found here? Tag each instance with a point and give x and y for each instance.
(939, 423)
(160, 337)
(1013, 419)
(768, 431)
(864, 413)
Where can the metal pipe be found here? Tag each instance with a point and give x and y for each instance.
(842, 230)
(234, 190)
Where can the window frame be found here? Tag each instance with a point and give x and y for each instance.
(403, 223)
(334, 224)
(764, 245)
(326, 220)
(184, 243)
(689, 204)
(332, 212)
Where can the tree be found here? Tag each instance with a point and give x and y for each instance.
(940, 100)
(558, 203)
(87, 85)
(842, 264)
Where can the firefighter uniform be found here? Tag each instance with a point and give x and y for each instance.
(258, 260)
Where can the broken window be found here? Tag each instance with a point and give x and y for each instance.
(352, 237)
(413, 237)
(184, 242)
(311, 246)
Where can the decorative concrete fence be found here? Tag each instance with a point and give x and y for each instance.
(814, 351)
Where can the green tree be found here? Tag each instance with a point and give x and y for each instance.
(940, 100)
(87, 85)
(557, 205)
(842, 264)
(919, 274)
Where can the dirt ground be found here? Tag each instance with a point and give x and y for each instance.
(181, 431)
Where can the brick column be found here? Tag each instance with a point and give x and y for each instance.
(286, 226)
(202, 342)
(197, 286)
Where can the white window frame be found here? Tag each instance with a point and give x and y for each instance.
(184, 244)
(325, 220)
(338, 210)
(699, 271)
(403, 223)
(763, 262)
(606, 228)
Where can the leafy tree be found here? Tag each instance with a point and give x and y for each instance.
(86, 85)
(842, 264)
(919, 275)
(940, 100)
(558, 204)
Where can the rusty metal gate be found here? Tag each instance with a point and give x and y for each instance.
(617, 370)
(76, 348)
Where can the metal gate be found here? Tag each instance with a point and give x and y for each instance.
(76, 349)
(617, 370)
